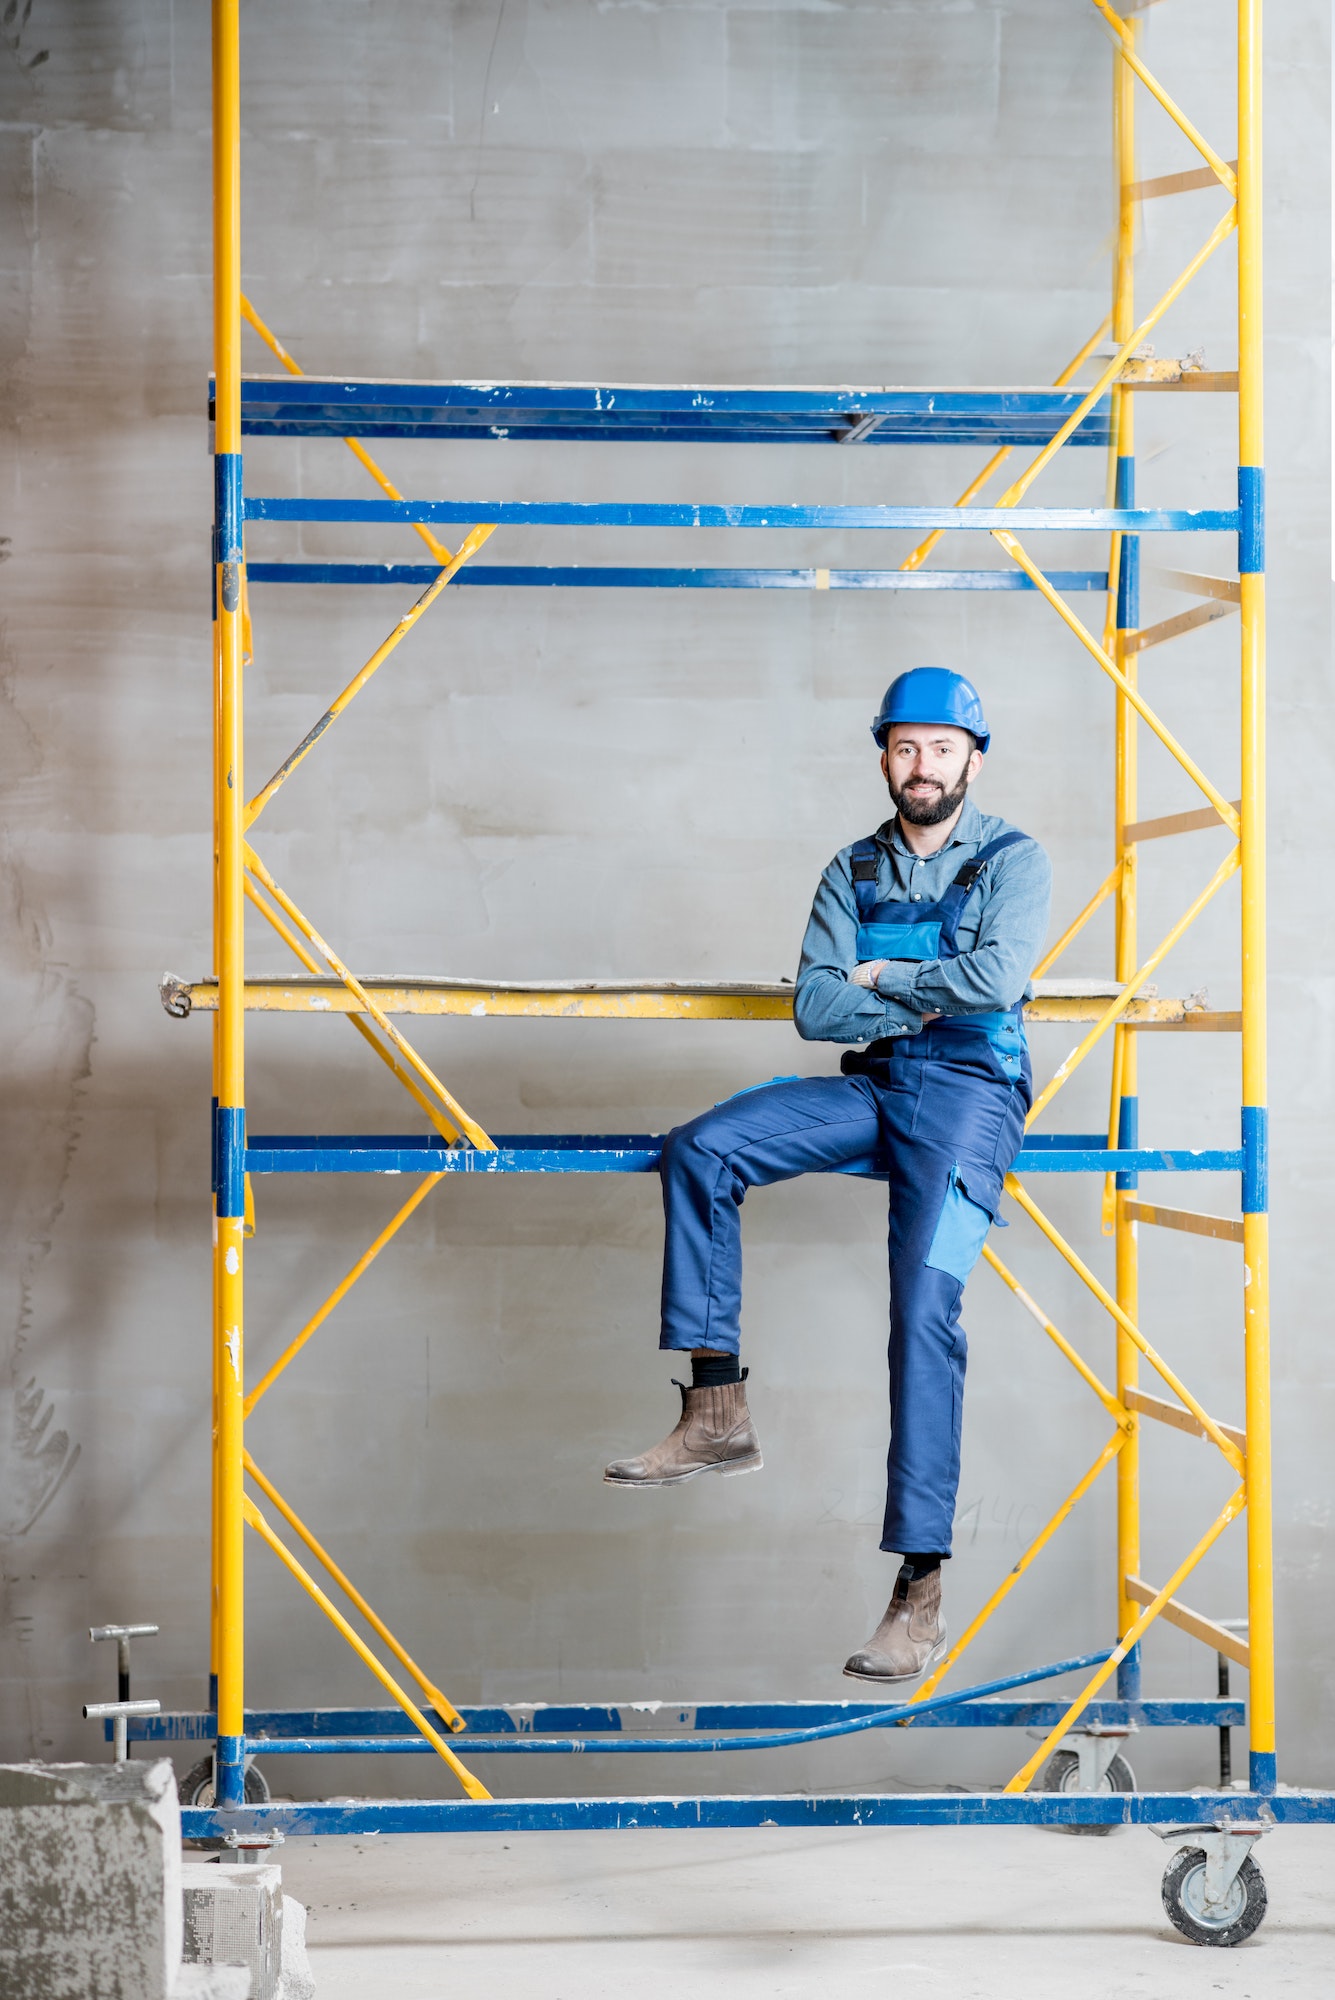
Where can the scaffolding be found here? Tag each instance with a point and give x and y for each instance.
(1084, 1727)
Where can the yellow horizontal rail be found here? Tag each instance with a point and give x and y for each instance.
(1225, 1229)
(474, 1787)
(1195, 1622)
(325, 995)
(1162, 184)
(1177, 1419)
(1132, 1637)
(1169, 823)
(444, 1709)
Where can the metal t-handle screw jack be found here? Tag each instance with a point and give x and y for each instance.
(94, 1710)
(123, 1634)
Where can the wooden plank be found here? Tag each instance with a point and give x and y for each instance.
(1226, 587)
(1188, 822)
(1180, 1419)
(1224, 1228)
(1179, 1614)
(1162, 184)
(1200, 1020)
(1173, 628)
(1212, 382)
(612, 1000)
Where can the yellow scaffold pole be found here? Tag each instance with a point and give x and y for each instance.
(230, 1133)
(1255, 1192)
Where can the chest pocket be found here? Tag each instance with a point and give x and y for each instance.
(917, 941)
(967, 1213)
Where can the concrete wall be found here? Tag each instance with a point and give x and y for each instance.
(569, 785)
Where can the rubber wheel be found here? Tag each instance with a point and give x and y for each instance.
(1184, 1900)
(196, 1787)
(1061, 1773)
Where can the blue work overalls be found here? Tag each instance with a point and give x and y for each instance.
(940, 1117)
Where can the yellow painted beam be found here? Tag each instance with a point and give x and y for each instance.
(1223, 1641)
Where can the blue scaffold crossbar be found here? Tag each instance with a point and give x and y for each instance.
(485, 575)
(685, 514)
(573, 412)
(639, 1153)
(1189, 1809)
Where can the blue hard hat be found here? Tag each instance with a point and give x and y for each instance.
(932, 694)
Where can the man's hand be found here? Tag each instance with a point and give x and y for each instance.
(865, 974)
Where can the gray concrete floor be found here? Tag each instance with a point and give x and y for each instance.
(964, 1913)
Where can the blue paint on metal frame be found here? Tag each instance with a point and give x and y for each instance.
(389, 1730)
(561, 1153)
(1128, 1680)
(1256, 1159)
(1263, 1776)
(1128, 568)
(1295, 1808)
(552, 411)
(1128, 1135)
(228, 507)
(1251, 520)
(230, 1770)
(682, 514)
(473, 575)
(213, 1145)
(230, 1159)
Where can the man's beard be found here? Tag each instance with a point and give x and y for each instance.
(929, 808)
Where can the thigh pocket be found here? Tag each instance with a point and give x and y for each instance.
(967, 1213)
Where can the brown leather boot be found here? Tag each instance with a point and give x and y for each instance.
(715, 1435)
(910, 1637)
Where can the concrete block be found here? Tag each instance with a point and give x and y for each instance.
(212, 1982)
(90, 1881)
(236, 1913)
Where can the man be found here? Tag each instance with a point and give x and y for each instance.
(921, 942)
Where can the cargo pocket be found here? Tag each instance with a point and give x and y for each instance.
(1008, 1048)
(962, 1226)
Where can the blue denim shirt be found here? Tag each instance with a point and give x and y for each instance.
(1000, 936)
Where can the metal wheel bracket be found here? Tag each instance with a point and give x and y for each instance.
(1095, 1745)
(1225, 1844)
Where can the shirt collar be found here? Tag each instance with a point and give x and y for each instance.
(967, 832)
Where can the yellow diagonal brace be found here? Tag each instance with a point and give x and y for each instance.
(1222, 806)
(1227, 868)
(382, 480)
(1125, 31)
(471, 1129)
(377, 660)
(1116, 1409)
(1024, 1776)
(341, 1290)
(1124, 1320)
(1219, 234)
(473, 1786)
(975, 486)
(1012, 1577)
(446, 1710)
(364, 1029)
(1074, 928)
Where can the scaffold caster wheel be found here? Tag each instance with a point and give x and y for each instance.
(196, 1787)
(1062, 1773)
(1232, 1919)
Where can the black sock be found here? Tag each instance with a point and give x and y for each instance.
(710, 1371)
(913, 1568)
